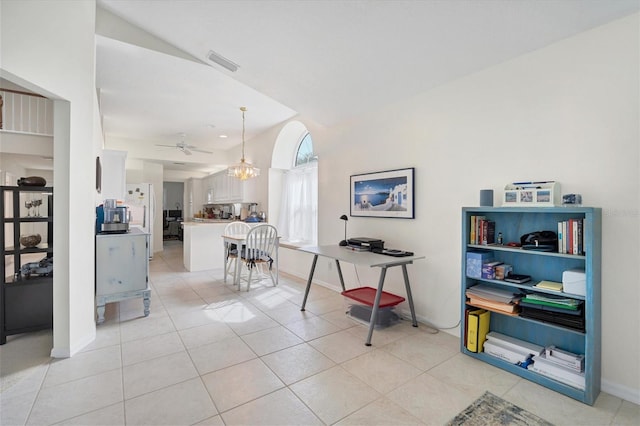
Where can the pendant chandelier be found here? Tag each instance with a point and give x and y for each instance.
(243, 170)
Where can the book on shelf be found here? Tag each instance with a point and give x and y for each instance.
(564, 358)
(571, 241)
(496, 294)
(560, 238)
(549, 285)
(509, 354)
(465, 333)
(517, 278)
(481, 230)
(580, 251)
(557, 372)
(473, 237)
(514, 343)
(571, 236)
(574, 230)
(493, 299)
(505, 308)
(552, 300)
(488, 232)
(477, 329)
(575, 312)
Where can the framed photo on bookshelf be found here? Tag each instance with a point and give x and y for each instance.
(387, 194)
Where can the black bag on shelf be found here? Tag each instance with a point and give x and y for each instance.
(540, 241)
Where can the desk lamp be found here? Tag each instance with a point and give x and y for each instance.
(345, 218)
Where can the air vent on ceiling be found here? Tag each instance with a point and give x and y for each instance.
(222, 61)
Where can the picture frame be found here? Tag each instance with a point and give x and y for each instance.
(388, 194)
(532, 194)
(98, 175)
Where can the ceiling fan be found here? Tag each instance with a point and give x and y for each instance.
(185, 147)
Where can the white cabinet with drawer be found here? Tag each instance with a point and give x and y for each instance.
(122, 269)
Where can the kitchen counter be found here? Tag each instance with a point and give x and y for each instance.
(202, 245)
(199, 220)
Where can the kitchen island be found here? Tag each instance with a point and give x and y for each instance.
(202, 244)
(203, 247)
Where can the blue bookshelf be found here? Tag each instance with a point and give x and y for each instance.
(513, 222)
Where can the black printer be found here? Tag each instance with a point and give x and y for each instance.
(366, 243)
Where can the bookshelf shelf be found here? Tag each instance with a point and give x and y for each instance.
(26, 298)
(496, 247)
(514, 222)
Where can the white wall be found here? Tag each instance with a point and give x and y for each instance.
(568, 112)
(16, 170)
(60, 34)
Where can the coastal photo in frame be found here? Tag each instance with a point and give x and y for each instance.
(383, 194)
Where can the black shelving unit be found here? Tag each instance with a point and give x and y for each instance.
(26, 299)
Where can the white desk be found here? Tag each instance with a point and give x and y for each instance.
(240, 240)
(364, 258)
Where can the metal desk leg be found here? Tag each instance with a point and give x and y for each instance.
(306, 292)
(340, 275)
(409, 297)
(376, 303)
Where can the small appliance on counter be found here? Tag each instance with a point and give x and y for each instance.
(254, 216)
(111, 218)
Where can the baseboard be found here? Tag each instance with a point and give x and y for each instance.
(624, 392)
(69, 352)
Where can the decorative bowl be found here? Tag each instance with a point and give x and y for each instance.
(32, 181)
(30, 240)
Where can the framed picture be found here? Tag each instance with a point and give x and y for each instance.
(383, 194)
(98, 175)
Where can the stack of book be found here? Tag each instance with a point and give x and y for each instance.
(553, 309)
(549, 285)
(560, 365)
(510, 349)
(571, 236)
(493, 299)
(482, 230)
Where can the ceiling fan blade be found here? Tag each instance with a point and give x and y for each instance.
(201, 150)
(168, 146)
(185, 150)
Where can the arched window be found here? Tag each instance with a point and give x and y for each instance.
(305, 154)
(298, 218)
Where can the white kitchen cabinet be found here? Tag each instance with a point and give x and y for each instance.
(122, 269)
(193, 197)
(235, 187)
(219, 186)
(226, 189)
(113, 177)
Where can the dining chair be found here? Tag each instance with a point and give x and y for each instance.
(231, 250)
(260, 252)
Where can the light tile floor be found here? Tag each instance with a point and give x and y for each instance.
(210, 355)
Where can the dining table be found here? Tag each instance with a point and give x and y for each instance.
(240, 240)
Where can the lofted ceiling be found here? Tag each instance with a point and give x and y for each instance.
(327, 61)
